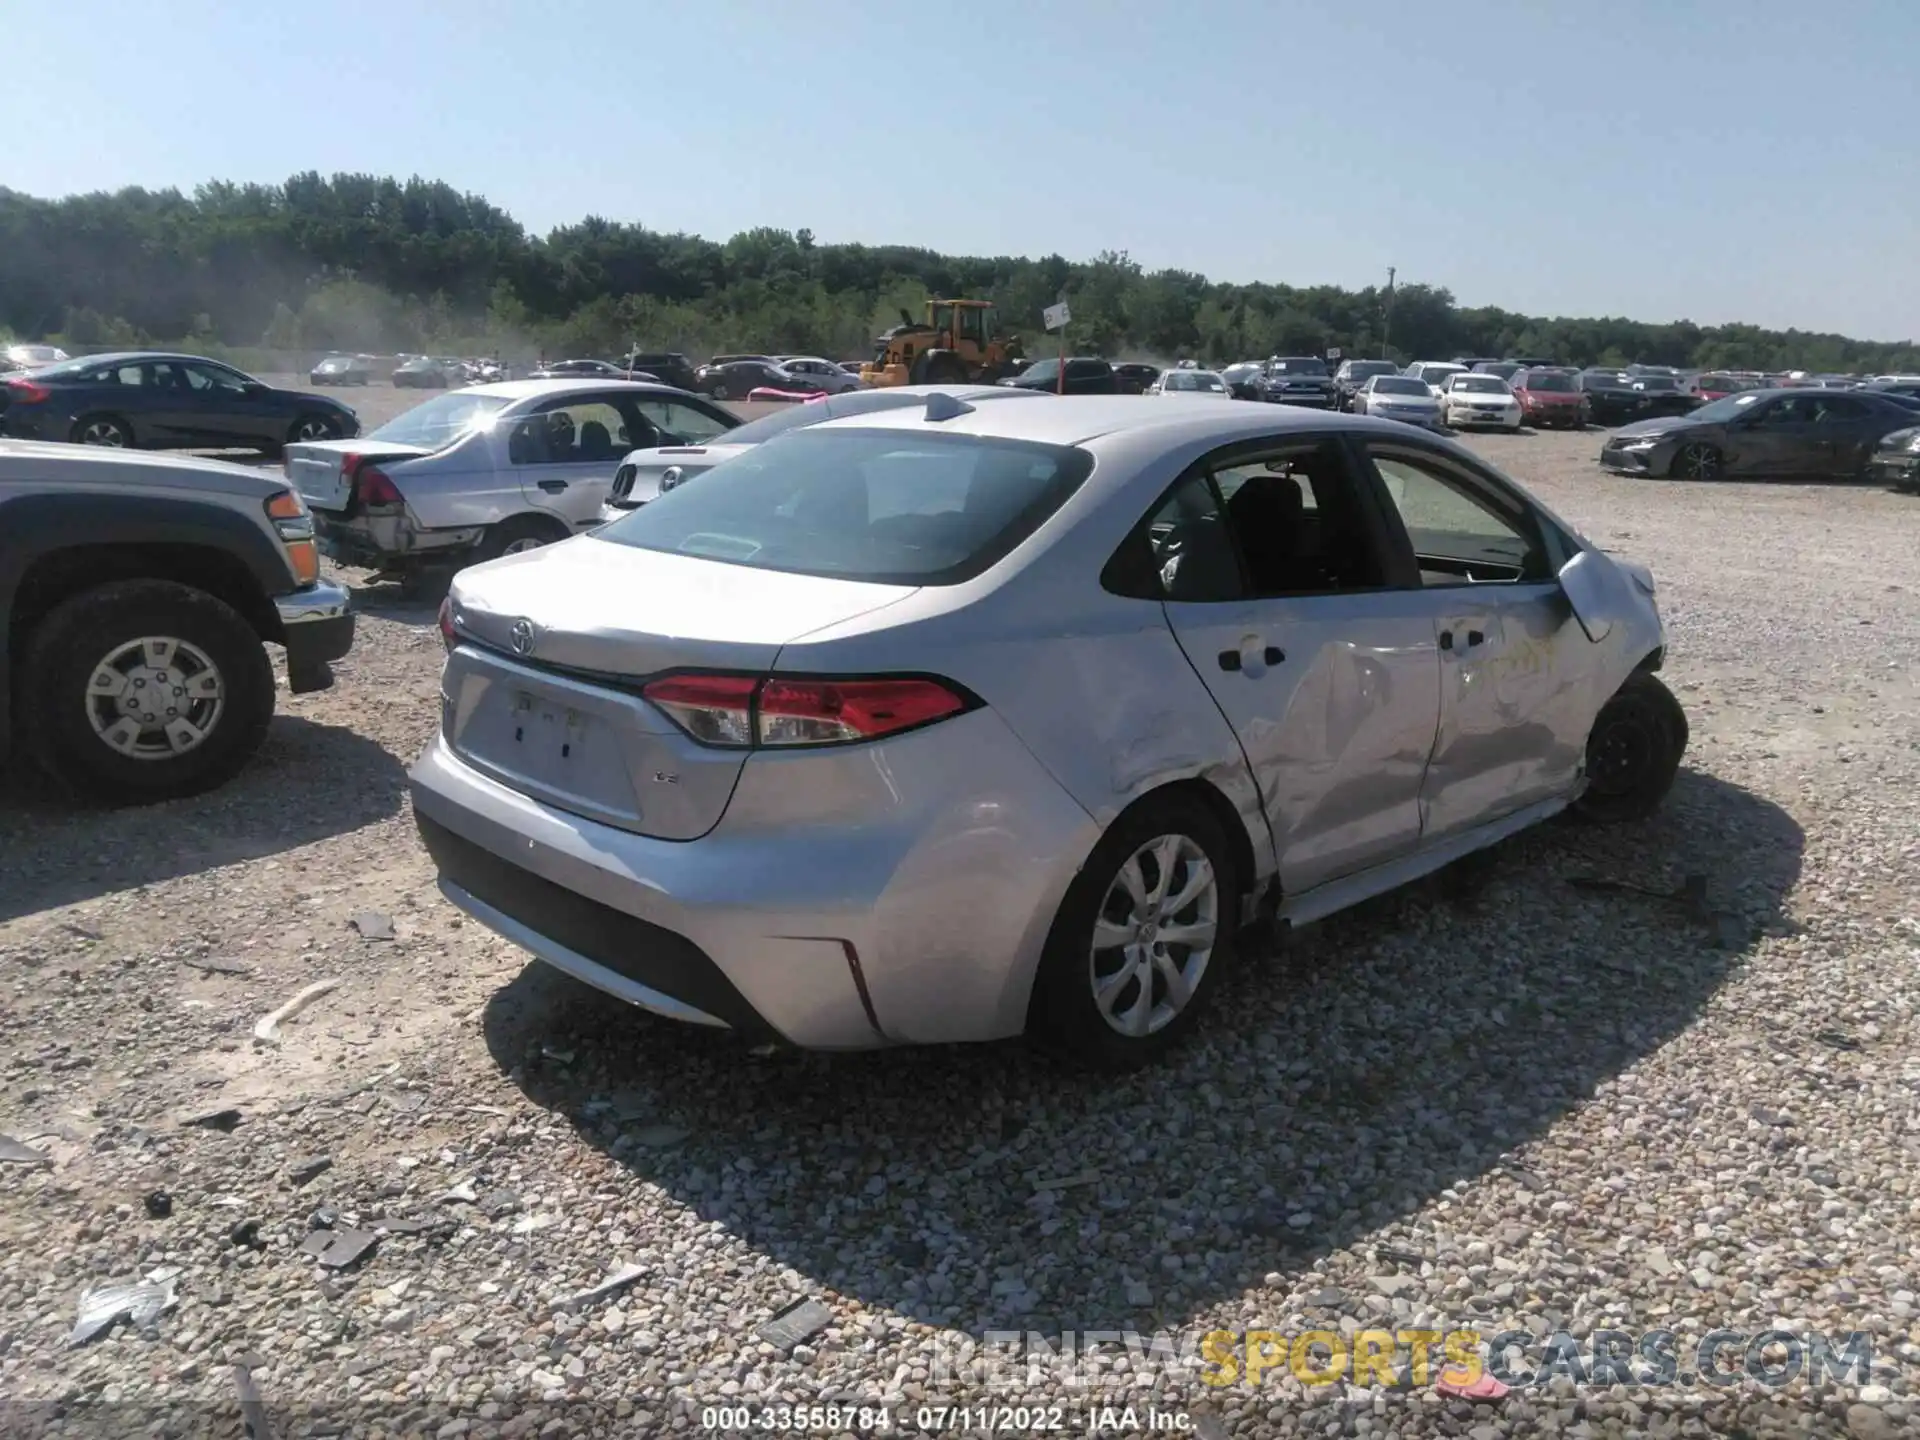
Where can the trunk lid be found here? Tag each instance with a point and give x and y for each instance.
(547, 698)
(638, 480)
(318, 468)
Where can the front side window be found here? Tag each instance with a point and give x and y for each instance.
(681, 424)
(209, 380)
(1459, 537)
(869, 505)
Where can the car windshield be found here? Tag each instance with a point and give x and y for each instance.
(1366, 369)
(1480, 385)
(440, 421)
(884, 506)
(1192, 380)
(1657, 382)
(1728, 407)
(1549, 381)
(1401, 385)
(1298, 365)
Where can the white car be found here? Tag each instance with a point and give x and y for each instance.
(31, 357)
(1191, 382)
(1399, 397)
(647, 474)
(1434, 373)
(1468, 400)
(831, 378)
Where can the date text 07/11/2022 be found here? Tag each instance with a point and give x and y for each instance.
(948, 1420)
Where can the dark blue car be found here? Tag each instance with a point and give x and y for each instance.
(165, 402)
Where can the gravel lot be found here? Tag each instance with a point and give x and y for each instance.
(1498, 1099)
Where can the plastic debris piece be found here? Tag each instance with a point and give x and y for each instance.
(557, 1055)
(372, 925)
(310, 1168)
(253, 1411)
(159, 1204)
(658, 1137)
(247, 1233)
(337, 1249)
(15, 1152)
(142, 1304)
(461, 1194)
(612, 1285)
(217, 967)
(795, 1324)
(393, 1225)
(1066, 1182)
(528, 1224)
(268, 1028)
(224, 1120)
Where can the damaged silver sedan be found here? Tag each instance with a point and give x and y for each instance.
(955, 722)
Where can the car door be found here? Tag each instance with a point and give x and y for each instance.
(1513, 722)
(566, 450)
(1848, 430)
(1273, 567)
(231, 411)
(1775, 437)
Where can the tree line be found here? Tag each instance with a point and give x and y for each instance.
(359, 262)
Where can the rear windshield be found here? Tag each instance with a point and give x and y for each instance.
(1366, 369)
(887, 506)
(1547, 380)
(440, 421)
(798, 417)
(1192, 380)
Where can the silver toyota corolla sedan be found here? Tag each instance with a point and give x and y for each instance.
(956, 722)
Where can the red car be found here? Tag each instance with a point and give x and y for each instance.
(1715, 386)
(1551, 398)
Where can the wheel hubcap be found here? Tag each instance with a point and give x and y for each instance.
(155, 698)
(1617, 756)
(521, 546)
(315, 430)
(1700, 462)
(102, 433)
(1154, 935)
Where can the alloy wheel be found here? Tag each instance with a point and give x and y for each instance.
(312, 429)
(1699, 462)
(1154, 935)
(522, 545)
(103, 432)
(155, 698)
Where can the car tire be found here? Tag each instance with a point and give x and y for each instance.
(1081, 983)
(517, 534)
(107, 431)
(69, 718)
(322, 427)
(1633, 751)
(1697, 461)
(720, 392)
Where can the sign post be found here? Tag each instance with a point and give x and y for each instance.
(1058, 317)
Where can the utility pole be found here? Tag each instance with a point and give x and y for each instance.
(1386, 327)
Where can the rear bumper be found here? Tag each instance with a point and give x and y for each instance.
(316, 626)
(862, 929)
(391, 542)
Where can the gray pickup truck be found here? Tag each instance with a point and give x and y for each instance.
(135, 593)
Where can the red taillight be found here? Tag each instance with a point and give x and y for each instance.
(741, 711)
(25, 392)
(447, 632)
(370, 484)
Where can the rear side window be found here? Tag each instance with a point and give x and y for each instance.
(889, 507)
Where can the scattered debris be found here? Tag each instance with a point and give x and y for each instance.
(217, 967)
(142, 1304)
(528, 1224)
(558, 1056)
(1399, 1256)
(658, 1137)
(612, 1285)
(1526, 1179)
(224, 1120)
(461, 1194)
(1836, 1039)
(372, 925)
(1729, 930)
(485, 1110)
(159, 1204)
(1066, 1182)
(325, 1218)
(247, 1233)
(14, 1152)
(80, 930)
(310, 1168)
(498, 1204)
(393, 1225)
(1483, 1388)
(795, 1324)
(337, 1249)
(268, 1028)
(253, 1411)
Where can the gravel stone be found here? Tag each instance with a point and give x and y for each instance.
(1494, 1098)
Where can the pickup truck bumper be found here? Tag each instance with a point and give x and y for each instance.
(316, 626)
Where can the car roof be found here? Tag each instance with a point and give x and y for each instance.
(1074, 419)
(527, 389)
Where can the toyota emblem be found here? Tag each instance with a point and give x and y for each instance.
(524, 637)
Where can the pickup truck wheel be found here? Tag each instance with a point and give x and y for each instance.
(144, 690)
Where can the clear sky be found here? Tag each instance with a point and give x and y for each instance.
(1660, 159)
